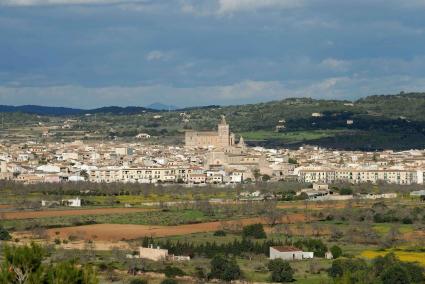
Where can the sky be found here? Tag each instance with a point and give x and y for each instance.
(92, 53)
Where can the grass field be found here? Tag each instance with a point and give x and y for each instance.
(291, 137)
(410, 256)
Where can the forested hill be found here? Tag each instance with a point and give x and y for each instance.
(65, 111)
(374, 122)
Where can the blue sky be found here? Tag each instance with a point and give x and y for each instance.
(90, 53)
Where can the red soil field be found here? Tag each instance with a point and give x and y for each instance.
(116, 232)
(76, 212)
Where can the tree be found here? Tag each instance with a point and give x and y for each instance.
(26, 264)
(255, 231)
(281, 270)
(272, 214)
(22, 264)
(265, 178)
(336, 251)
(345, 191)
(69, 272)
(172, 271)
(395, 274)
(84, 174)
(4, 234)
(256, 174)
(224, 269)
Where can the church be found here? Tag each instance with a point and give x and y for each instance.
(222, 138)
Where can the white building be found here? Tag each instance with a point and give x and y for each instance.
(76, 202)
(155, 254)
(289, 253)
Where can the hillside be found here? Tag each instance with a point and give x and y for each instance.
(64, 111)
(378, 122)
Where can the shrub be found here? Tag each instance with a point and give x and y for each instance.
(255, 231)
(57, 241)
(4, 234)
(224, 269)
(395, 274)
(172, 271)
(316, 246)
(281, 270)
(341, 266)
(138, 281)
(407, 220)
(345, 191)
(336, 251)
(220, 233)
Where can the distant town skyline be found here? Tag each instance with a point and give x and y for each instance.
(94, 53)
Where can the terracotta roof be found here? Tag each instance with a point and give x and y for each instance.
(286, 248)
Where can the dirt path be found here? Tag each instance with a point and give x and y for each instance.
(117, 232)
(76, 212)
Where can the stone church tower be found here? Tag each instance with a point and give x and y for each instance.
(223, 138)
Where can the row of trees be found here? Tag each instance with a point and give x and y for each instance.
(239, 247)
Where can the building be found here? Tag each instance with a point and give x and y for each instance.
(221, 138)
(75, 202)
(289, 253)
(155, 254)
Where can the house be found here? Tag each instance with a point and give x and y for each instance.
(289, 253)
(155, 254)
(76, 202)
(143, 136)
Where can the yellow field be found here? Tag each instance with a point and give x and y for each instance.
(402, 255)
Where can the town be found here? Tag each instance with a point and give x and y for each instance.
(212, 157)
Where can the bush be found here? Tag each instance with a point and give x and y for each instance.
(281, 270)
(255, 231)
(172, 271)
(220, 233)
(57, 241)
(224, 269)
(316, 246)
(341, 266)
(4, 234)
(345, 191)
(138, 281)
(395, 274)
(407, 220)
(31, 262)
(336, 251)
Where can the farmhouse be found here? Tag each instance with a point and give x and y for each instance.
(152, 253)
(289, 253)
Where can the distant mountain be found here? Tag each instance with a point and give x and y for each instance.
(120, 110)
(41, 110)
(161, 106)
(45, 110)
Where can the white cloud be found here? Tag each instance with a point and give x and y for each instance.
(335, 64)
(231, 6)
(238, 93)
(157, 55)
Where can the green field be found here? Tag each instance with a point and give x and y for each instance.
(292, 136)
